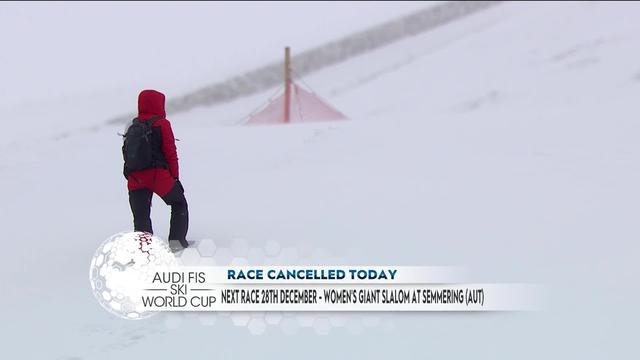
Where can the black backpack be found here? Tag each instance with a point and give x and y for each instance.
(142, 148)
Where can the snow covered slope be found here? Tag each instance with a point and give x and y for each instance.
(505, 143)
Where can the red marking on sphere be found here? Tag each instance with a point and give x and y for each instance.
(144, 238)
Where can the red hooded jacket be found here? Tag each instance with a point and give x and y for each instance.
(160, 181)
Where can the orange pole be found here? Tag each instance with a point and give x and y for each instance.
(287, 84)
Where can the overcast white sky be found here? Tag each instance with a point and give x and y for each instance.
(62, 50)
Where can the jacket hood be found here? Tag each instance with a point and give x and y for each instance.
(150, 104)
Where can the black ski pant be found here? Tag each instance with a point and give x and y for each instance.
(140, 201)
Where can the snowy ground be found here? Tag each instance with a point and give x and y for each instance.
(505, 143)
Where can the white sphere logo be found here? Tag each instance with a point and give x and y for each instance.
(121, 267)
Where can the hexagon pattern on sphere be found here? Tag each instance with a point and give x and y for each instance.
(207, 247)
(257, 326)
(207, 318)
(189, 257)
(120, 265)
(136, 255)
(239, 247)
(240, 318)
(272, 248)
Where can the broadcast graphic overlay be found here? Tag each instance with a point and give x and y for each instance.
(135, 275)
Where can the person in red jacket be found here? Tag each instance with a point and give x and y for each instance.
(162, 178)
